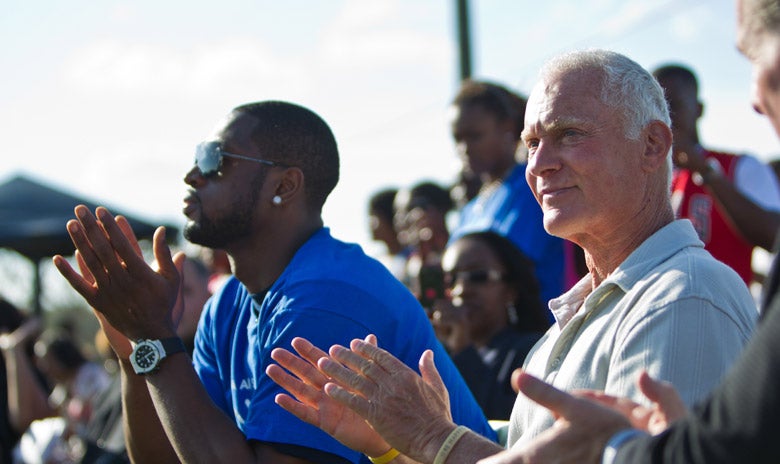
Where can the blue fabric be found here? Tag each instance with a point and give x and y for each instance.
(330, 293)
(512, 211)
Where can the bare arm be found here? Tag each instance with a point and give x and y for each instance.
(411, 412)
(27, 400)
(755, 224)
(169, 415)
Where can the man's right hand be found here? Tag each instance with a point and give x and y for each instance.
(667, 406)
(131, 297)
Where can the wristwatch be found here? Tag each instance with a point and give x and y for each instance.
(147, 354)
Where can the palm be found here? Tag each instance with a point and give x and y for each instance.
(309, 402)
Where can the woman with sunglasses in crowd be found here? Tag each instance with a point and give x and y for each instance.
(492, 316)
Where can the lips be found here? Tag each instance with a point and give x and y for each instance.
(191, 203)
(552, 191)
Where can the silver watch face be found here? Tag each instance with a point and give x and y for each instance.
(145, 357)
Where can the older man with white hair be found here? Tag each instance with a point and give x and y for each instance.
(598, 139)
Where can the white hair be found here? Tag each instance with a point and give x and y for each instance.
(625, 86)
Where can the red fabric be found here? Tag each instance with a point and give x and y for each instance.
(696, 204)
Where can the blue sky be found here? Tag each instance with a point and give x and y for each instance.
(108, 99)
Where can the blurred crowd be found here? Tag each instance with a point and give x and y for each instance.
(474, 253)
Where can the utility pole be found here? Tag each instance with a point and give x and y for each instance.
(464, 38)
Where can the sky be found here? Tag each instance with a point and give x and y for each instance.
(108, 99)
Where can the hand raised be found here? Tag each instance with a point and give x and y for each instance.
(579, 435)
(667, 406)
(408, 410)
(313, 405)
(134, 299)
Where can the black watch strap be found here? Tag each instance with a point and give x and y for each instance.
(173, 345)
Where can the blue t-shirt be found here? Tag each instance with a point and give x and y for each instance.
(330, 293)
(511, 210)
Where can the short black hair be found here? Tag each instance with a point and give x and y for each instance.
(677, 71)
(293, 135)
(496, 99)
(521, 276)
(381, 204)
(424, 194)
(62, 347)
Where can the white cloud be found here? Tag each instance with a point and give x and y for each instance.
(232, 64)
(371, 35)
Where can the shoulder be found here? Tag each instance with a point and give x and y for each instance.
(693, 281)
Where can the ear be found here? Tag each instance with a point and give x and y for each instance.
(657, 138)
(289, 185)
(699, 109)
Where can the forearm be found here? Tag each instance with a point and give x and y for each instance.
(755, 224)
(27, 400)
(196, 428)
(471, 447)
(145, 437)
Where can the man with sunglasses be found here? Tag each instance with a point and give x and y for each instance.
(257, 192)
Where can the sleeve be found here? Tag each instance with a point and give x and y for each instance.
(739, 422)
(667, 341)
(323, 328)
(204, 358)
(757, 181)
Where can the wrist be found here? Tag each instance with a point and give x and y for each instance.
(617, 441)
(386, 457)
(429, 449)
(449, 443)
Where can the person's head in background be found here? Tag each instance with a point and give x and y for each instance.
(486, 125)
(195, 292)
(494, 283)
(57, 356)
(421, 219)
(10, 317)
(681, 89)
(758, 38)
(380, 219)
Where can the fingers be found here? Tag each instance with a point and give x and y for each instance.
(429, 372)
(664, 395)
(110, 242)
(307, 350)
(305, 370)
(124, 226)
(624, 406)
(82, 286)
(351, 370)
(84, 268)
(162, 254)
(88, 255)
(300, 390)
(299, 410)
(353, 401)
(386, 362)
(557, 401)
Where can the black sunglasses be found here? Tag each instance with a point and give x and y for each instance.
(479, 276)
(209, 155)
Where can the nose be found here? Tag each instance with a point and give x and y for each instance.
(542, 161)
(194, 177)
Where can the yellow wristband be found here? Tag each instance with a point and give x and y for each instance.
(449, 443)
(385, 458)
